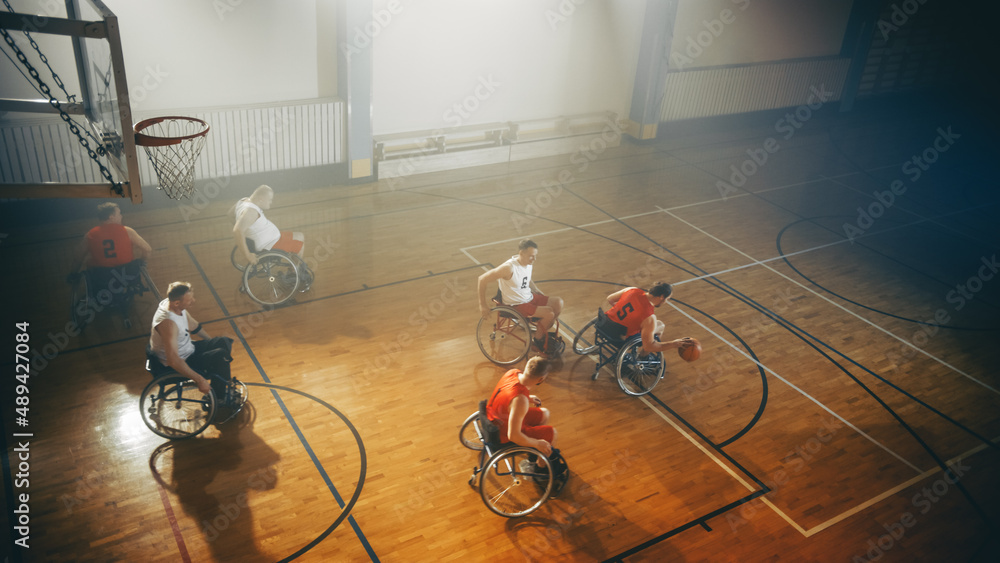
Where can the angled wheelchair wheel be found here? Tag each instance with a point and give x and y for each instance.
(511, 486)
(173, 407)
(583, 344)
(504, 336)
(272, 280)
(237, 258)
(79, 308)
(469, 435)
(638, 373)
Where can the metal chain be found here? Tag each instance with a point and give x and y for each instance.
(116, 186)
(44, 59)
(70, 97)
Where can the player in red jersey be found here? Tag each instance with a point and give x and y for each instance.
(517, 413)
(110, 244)
(633, 311)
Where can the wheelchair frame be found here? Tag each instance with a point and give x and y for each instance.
(505, 336)
(170, 393)
(504, 487)
(84, 306)
(276, 276)
(637, 374)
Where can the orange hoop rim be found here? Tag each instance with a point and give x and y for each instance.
(145, 140)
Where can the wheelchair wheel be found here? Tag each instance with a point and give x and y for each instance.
(79, 308)
(580, 344)
(504, 336)
(272, 280)
(232, 404)
(638, 373)
(468, 435)
(173, 407)
(237, 258)
(511, 489)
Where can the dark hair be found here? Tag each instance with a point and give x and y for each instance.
(526, 243)
(177, 290)
(106, 210)
(537, 366)
(661, 289)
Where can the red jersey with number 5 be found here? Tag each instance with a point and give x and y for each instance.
(109, 245)
(631, 309)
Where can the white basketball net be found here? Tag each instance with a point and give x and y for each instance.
(174, 163)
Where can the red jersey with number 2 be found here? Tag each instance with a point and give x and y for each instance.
(109, 245)
(631, 309)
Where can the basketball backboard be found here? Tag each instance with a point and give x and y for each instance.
(104, 105)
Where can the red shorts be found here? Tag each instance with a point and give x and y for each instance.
(287, 243)
(530, 426)
(528, 309)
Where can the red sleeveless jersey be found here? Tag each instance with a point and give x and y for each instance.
(109, 245)
(498, 407)
(631, 309)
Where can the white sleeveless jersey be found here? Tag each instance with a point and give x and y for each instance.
(262, 232)
(517, 289)
(184, 345)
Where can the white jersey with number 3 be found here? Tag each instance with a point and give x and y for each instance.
(517, 289)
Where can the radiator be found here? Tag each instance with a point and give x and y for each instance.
(730, 90)
(242, 140)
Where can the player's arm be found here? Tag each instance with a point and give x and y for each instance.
(243, 223)
(518, 410)
(195, 328)
(503, 271)
(168, 333)
(614, 297)
(139, 242)
(649, 343)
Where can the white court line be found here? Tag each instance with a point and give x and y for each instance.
(838, 305)
(685, 206)
(714, 458)
(929, 219)
(718, 462)
(832, 521)
(755, 262)
(740, 351)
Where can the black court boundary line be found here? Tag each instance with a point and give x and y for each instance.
(763, 375)
(229, 317)
(346, 508)
(377, 192)
(787, 325)
(701, 520)
(295, 427)
(796, 330)
(872, 309)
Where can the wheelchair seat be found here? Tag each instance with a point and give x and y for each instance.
(637, 373)
(510, 482)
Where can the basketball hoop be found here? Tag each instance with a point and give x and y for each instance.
(173, 144)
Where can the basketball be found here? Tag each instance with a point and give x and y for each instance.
(690, 352)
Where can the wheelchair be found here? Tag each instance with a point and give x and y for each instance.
(637, 373)
(173, 407)
(116, 288)
(505, 335)
(508, 482)
(276, 276)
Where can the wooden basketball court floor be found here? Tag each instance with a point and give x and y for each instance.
(840, 377)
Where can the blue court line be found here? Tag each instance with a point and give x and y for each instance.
(284, 409)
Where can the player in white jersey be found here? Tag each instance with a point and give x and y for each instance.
(170, 341)
(518, 291)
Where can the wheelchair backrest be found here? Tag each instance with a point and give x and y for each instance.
(251, 246)
(490, 431)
